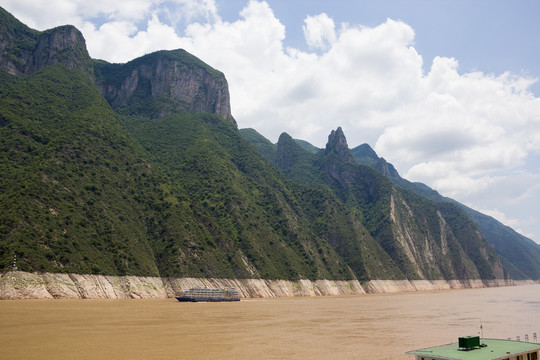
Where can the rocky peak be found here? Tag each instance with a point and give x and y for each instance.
(25, 51)
(338, 144)
(173, 75)
(178, 79)
(62, 45)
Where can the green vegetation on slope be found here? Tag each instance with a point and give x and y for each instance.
(520, 256)
(250, 212)
(411, 231)
(73, 189)
(145, 188)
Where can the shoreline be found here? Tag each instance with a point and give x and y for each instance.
(23, 285)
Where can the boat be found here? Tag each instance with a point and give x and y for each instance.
(206, 294)
(471, 348)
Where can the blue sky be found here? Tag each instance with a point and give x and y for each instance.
(487, 35)
(447, 91)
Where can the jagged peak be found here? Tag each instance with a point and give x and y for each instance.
(61, 45)
(338, 143)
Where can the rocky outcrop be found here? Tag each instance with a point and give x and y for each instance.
(339, 161)
(394, 286)
(62, 45)
(178, 79)
(25, 51)
(23, 285)
(338, 143)
(175, 76)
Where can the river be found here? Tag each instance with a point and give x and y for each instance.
(345, 327)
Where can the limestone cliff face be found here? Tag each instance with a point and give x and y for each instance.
(176, 78)
(174, 75)
(62, 45)
(22, 285)
(25, 51)
(339, 163)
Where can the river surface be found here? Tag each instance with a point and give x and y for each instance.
(345, 327)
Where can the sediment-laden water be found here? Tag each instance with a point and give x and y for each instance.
(346, 327)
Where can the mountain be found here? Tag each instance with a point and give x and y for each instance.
(140, 169)
(519, 255)
(425, 239)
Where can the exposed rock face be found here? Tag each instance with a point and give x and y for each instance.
(339, 163)
(173, 75)
(25, 51)
(22, 285)
(62, 45)
(181, 79)
(386, 168)
(338, 143)
(427, 240)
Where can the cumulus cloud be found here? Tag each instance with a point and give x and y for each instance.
(319, 31)
(465, 134)
(121, 30)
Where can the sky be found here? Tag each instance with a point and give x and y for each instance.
(447, 91)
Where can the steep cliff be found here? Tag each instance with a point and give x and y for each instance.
(25, 51)
(160, 183)
(176, 79)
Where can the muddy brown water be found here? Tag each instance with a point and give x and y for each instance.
(346, 327)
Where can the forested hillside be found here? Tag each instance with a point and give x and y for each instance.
(519, 256)
(140, 169)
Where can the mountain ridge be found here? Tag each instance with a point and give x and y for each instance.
(140, 169)
(505, 241)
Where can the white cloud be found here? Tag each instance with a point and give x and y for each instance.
(319, 31)
(42, 15)
(468, 135)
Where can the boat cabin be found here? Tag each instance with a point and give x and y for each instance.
(471, 348)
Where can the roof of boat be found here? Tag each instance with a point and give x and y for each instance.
(494, 349)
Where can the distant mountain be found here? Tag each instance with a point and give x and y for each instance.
(139, 169)
(519, 255)
(423, 238)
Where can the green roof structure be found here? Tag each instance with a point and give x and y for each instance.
(486, 349)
